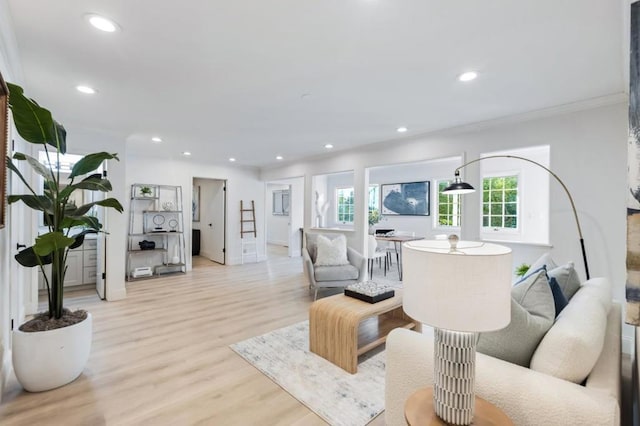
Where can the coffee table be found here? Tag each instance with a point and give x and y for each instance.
(342, 327)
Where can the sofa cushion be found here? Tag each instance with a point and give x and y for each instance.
(572, 346)
(567, 279)
(559, 300)
(331, 252)
(532, 314)
(336, 273)
(543, 261)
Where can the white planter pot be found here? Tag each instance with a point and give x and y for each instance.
(46, 360)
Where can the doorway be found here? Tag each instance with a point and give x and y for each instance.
(284, 201)
(209, 220)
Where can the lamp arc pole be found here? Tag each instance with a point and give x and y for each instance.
(557, 178)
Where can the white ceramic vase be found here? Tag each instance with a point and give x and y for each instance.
(49, 359)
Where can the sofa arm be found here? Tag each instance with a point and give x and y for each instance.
(357, 260)
(526, 396)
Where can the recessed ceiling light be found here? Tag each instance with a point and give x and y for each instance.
(102, 23)
(156, 139)
(86, 89)
(279, 157)
(401, 129)
(468, 76)
(186, 153)
(328, 146)
(232, 159)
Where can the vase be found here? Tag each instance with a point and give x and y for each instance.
(45, 360)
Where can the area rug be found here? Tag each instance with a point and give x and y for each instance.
(338, 397)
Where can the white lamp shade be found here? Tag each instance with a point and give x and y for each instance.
(465, 290)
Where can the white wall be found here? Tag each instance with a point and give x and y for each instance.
(277, 225)
(431, 171)
(242, 184)
(588, 151)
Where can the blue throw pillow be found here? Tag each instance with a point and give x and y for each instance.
(558, 297)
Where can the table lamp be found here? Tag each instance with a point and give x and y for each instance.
(460, 288)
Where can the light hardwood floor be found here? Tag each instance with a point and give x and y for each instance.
(161, 356)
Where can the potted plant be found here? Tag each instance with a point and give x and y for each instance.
(522, 269)
(52, 349)
(145, 191)
(374, 217)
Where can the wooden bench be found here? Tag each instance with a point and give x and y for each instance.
(342, 327)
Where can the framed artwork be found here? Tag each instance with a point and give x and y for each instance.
(195, 204)
(4, 135)
(406, 199)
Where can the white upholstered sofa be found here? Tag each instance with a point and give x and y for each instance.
(585, 340)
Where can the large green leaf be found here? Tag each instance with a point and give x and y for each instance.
(107, 202)
(15, 170)
(39, 168)
(50, 242)
(28, 258)
(79, 238)
(93, 183)
(90, 163)
(34, 123)
(36, 202)
(90, 222)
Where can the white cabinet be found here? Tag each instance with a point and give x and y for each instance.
(81, 266)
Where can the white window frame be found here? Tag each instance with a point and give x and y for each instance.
(377, 205)
(491, 230)
(337, 204)
(534, 192)
(436, 203)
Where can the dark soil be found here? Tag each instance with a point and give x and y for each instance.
(42, 322)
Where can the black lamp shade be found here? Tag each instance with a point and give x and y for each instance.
(458, 187)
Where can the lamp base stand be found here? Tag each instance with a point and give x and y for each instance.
(454, 376)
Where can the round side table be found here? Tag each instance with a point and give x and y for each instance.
(419, 411)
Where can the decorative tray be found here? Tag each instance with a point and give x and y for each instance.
(369, 291)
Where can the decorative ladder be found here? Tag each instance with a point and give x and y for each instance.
(248, 226)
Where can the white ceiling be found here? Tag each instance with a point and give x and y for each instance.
(226, 78)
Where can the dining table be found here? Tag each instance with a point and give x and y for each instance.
(397, 241)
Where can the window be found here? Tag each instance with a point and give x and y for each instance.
(374, 204)
(448, 207)
(344, 205)
(500, 202)
(374, 197)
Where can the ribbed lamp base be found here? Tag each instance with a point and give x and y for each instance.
(454, 376)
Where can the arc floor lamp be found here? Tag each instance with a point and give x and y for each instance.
(460, 187)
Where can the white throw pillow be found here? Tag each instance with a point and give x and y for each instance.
(331, 252)
(571, 348)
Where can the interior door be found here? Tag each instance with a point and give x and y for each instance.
(217, 217)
